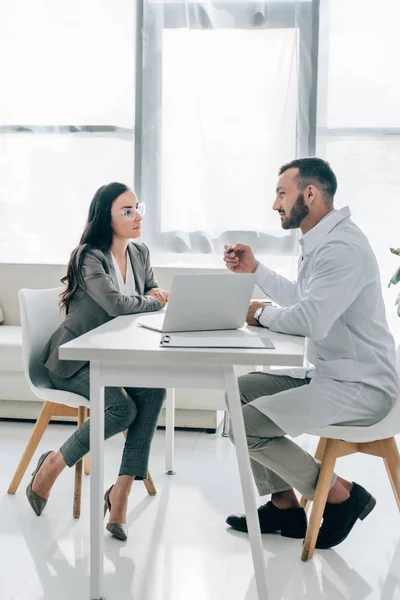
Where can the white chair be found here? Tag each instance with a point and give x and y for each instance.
(377, 440)
(40, 317)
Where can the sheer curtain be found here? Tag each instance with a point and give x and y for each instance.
(359, 121)
(227, 98)
(66, 119)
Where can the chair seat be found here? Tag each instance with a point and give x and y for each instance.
(11, 348)
(351, 434)
(49, 394)
(380, 431)
(387, 428)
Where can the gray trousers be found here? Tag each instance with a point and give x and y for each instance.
(134, 409)
(278, 464)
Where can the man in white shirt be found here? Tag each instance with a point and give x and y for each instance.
(337, 304)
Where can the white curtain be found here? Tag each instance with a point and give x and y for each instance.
(359, 121)
(229, 106)
(66, 119)
(227, 99)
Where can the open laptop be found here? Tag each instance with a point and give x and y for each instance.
(204, 303)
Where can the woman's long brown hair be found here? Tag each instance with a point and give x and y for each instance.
(98, 233)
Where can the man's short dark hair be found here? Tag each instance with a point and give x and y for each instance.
(314, 171)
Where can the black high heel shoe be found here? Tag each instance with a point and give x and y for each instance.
(37, 502)
(117, 530)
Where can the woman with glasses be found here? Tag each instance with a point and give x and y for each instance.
(108, 275)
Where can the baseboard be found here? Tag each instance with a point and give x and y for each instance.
(194, 419)
(22, 409)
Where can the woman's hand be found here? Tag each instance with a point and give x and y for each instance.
(160, 295)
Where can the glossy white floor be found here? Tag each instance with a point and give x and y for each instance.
(179, 547)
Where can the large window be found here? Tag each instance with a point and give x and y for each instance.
(225, 92)
(196, 104)
(66, 118)
(228, 95)
(359, 119)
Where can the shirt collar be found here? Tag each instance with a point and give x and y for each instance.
(316, 235)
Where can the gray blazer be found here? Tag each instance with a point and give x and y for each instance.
(98, 300)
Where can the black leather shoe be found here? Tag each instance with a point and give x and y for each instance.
(290, 522)
(339, 519)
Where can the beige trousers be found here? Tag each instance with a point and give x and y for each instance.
(278, 463)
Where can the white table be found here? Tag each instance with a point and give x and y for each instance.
(121, 353)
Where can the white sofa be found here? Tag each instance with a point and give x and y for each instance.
(195, 408)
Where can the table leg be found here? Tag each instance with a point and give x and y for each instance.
(96, 481)
(170, 431)
(225, 427)
(246, 479)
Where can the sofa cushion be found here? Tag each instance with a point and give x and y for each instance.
(11, 348)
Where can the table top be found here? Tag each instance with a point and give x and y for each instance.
(123, 340)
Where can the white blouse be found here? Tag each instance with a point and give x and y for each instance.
(128, 288)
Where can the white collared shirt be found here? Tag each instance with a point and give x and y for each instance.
(128, 287)
(337, 304)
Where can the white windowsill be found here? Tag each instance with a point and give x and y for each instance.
(171, 260)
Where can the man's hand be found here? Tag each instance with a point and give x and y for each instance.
(160, 295)
(250, 320)
(240, 259)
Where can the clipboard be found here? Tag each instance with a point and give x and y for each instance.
(176, 340)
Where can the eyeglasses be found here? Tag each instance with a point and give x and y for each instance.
(130, 214)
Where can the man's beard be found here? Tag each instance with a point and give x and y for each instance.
(297, 214)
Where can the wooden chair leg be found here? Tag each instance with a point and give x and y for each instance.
(305, 503)
(86, 464)
(33, 442)
(321, 494)
(319, 453)
(76, 511)
(148, 483)
(391, 458)
(86, 460)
